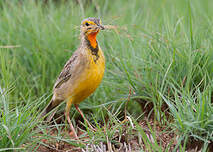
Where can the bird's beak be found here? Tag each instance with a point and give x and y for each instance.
(101, 27)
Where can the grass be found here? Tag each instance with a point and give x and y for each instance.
(161, 50)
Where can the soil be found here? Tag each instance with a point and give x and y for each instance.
(164, 136)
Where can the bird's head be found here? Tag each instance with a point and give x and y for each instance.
(90, 28)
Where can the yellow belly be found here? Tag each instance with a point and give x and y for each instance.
(90, 79)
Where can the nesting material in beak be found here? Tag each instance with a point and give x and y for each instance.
(101, 27)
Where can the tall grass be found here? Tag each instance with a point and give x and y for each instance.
(161, 49)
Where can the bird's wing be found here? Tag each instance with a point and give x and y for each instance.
(66, 73)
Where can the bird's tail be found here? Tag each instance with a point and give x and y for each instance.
(48, 109)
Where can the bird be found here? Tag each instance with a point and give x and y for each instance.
(82, 73)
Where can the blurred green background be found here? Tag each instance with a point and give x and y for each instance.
(161, 49)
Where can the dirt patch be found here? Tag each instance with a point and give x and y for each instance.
(127, 140)
(163, 136)
(58, 147)
(156, 135)
(119, 142)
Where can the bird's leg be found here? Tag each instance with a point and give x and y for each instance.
(82, 115)
(69, 103)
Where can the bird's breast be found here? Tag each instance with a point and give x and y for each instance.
(90, 78)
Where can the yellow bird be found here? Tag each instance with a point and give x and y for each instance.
(82, 73)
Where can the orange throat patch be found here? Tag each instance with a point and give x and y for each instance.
(92, 39)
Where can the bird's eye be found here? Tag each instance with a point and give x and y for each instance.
(87, 24)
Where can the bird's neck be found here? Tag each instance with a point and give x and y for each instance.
(91, 38)
(90, 42)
